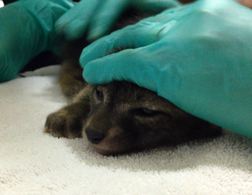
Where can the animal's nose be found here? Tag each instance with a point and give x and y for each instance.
(94, 136)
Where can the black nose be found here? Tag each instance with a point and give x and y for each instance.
(94, 136)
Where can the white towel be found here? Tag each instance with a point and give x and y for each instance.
(1, 3)
(32, 162)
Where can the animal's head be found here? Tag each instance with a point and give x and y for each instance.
(127, 118)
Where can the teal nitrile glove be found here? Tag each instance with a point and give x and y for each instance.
(197, 56)
(99, 15)
(27, 28)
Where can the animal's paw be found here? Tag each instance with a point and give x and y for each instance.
(63, 124)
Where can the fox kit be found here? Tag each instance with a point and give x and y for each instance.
(119, 117)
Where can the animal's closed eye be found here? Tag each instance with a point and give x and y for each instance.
(98, 94)
(145, 112)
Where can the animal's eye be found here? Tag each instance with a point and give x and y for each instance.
(145, 112)
(98, 93)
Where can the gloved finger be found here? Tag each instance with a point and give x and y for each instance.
(127, 38)
(74, 23)
(107, 15)
(125, 65)
(154, 5)
(171, 14)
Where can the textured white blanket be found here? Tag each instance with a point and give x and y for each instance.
(32, 162)
(1, 4)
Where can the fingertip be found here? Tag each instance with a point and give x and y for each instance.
(63, 27)
(85, 57)
(87, 75)
(105, 19)
(96, 50)
(72, 35)
(109, 68)
(95, 33)
(59, 26)
(75, 29)
(93, 75)
(63, 22)
(106, 69)
(73, 23)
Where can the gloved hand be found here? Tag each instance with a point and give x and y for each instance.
(27, 28)
(99, 16)
(197, 56)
